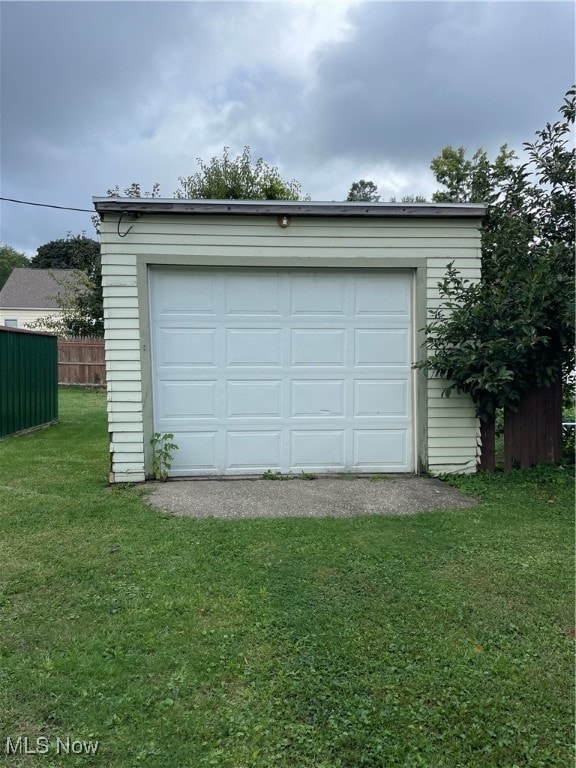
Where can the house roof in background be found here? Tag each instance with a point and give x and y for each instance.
(28, 288)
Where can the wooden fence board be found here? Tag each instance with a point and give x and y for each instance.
(533, 434)
(81, 362)
(487, 461)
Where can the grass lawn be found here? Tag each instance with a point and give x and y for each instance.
(439, 640)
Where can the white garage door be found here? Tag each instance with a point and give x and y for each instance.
(283, 370)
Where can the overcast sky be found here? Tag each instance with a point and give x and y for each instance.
(95, 94)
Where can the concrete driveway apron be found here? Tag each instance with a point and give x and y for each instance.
(337, 496)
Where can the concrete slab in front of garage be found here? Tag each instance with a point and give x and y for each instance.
(338, 496)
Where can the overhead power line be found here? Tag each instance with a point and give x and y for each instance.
(46, 205)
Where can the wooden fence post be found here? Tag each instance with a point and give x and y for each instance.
(487, 462)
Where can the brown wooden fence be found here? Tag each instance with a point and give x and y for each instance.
(81, 361)
(532, 434)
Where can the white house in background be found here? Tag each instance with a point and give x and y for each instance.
(281, 335)
(32, 294)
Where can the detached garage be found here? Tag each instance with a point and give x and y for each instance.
(280, 336)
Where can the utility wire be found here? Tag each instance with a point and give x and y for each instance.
(46, 205)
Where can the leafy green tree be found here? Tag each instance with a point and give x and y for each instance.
(70, 252)
(224, 178)
(83, 310)
(408, 199)
(10, 258)
(81, 306)
(515, 328)
(134, 190)
(363, 191)
(80, 295)
(470, 181)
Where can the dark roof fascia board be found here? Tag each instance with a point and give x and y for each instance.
(138, 206)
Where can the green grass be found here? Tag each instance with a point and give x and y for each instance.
(438, 640)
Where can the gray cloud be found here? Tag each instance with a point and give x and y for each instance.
(98, 93)
(70, 70)
(417, 76)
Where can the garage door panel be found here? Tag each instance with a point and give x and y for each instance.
(187, 400)
(286, 370)
(252, 295)
(253, 399)
(186, 294)
(196, 452)
(379, 449)
(254, 450)
(317, 296)
(186, 346)
(374, 298)
(317, 398)
(377, 398)
(313, 347)
(253, 347)
(374, 346)
(313, 449)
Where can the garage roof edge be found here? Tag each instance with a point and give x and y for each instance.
(287, 208)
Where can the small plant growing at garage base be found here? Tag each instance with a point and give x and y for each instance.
(162, 454)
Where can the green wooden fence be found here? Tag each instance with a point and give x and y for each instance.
(28, 380)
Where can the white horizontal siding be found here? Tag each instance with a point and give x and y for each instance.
(126, 366)
(125, 306)
(124, 416)
(118, 270)
(453, 431)
(135, 459)
(124, 386)
(328, 250)
(123, 366)
(124, 323)
(125, 406)
(126, 445)
(222, 224)
(121, 374)
(452, 426)
(123, 314)
(439, 420)
(404, 240)
(128, 473)
(122, 334)
(128, 259)
(127, 426)
(453, 468)
(451, 442)
(113, 355)
(120, 399)
(437, 271)
(219, 235)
